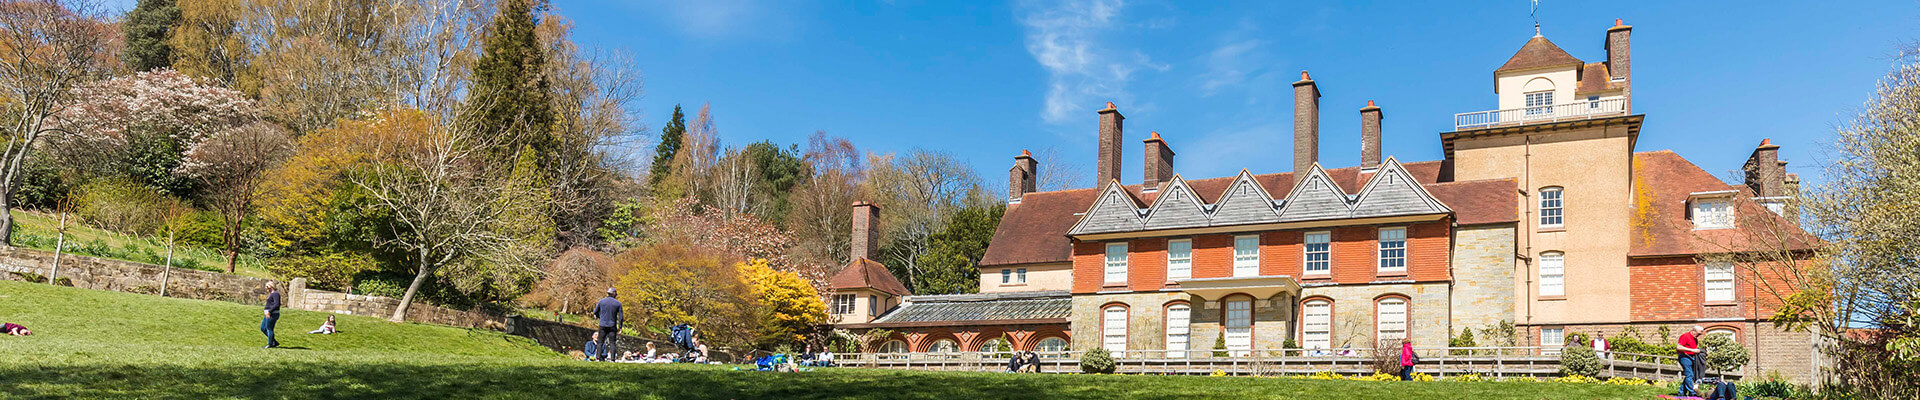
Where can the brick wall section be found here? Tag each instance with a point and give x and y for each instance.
(1088, 264)
(1281, 253)
(1664, 288)
(1429, 251)
(1147, 264)
(1213, 256)
(1355, 254)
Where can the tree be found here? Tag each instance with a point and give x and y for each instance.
(523, 205)
(573, 280)
(780, 170)
(593, 93)
(671, 284)
(232, 165)
(1057, 173)
(442, 210)
(694, 164)
(47, 47)
(207, 43)
(668, 148)
(788, 304)
(146, 28)
(510, 89)
(920, 191)
(819, 216)
(953, 263)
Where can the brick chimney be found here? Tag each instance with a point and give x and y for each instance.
(1620, 57)
(1021, 179)
(1159, 163)
(1306, 125)
(1370, 136)
(1109, 163)
(866, 231)
(1765, 173)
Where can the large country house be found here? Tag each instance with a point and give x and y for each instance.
(1542, 214)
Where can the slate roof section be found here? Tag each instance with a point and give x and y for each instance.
(1034, 230)
(1012, 306)
(1538, 53)
(1664, 181)
(864, 273)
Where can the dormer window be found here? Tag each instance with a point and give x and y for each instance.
(1711, 210)
(1540, 103)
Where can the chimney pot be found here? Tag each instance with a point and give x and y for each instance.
(1618, 22)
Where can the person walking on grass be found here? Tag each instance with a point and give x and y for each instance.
(1407, 359)
(272, 315)
(1689, 349)
(608, 311)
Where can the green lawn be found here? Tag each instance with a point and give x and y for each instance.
(39, 231)
(92, 344)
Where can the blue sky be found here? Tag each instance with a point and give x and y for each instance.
(983, 80)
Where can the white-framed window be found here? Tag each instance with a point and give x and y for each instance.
(1179, 259)
(1719, 277)
(1319, 253)
(1552, 207)
(1593, 102)
(1391, 319)
(843, 304)
(1117, 262)
(1020, 275)
(1553, 274)
(1552, 339)
(1051, 344)
(1723, 331)
(944, 346)
(1240, 326)
(1246, 255)
(1539, 103)
(1714, 213)
(1006, 276)
(1316, 326)
(893, 346)
(1114, 330)
(1179, 316)
(1393, 249)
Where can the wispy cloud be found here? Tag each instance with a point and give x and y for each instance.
(1066, 38)
(711, 18)
(1238, 59)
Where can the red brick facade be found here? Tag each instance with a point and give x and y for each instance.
(1356, 252)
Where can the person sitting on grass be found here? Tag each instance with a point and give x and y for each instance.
(1017, 363)
(650, 351)
(826, 359)
(15, 330)
(593, 346)
(326, 328)
(1032, 363)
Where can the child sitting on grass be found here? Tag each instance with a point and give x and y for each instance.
(326, 328)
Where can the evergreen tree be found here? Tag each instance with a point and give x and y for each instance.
(146, 28)
(510, 93)
(953, 265)
(670, 137)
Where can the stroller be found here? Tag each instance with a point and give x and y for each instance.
(1722, 389)
(682, 336)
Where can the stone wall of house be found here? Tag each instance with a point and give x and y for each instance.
(1483, 269)
(1428, 311)
(1147, 320)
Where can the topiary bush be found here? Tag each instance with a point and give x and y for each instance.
(1578, 360)
(1723, 353)
(1464, 339)
(1097, 361)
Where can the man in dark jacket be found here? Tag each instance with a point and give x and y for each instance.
(272, 312)
(608, 311)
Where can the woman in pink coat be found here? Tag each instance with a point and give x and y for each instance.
(1407, 359)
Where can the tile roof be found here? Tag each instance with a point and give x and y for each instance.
(1020, 306)
(1538, 53)
(1034, 230)
(1594, 77)
(864, 273)
(1664, 182)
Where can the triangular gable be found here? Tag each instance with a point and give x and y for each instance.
(1115, 211)
(1315, 197)
(1393, 191)
(1177, 207)
(1245, 202)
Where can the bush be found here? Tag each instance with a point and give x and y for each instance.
(1386, 357)
(1628, 341)
(1097, 361)
(1723, 353)
(1773, 386)
(1576, 379)
(1220, 345)
(1464, 339)
(329, 271)
(122, 206)
(1576, 360)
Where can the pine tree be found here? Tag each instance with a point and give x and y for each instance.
(670, 137)
(510, 93)
(146, 29)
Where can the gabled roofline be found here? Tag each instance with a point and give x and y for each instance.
(1392, 165)
(1111, 186)
(1246, 177)
(1198, 205)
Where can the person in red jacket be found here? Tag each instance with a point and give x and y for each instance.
(1689, 347)
(1407, 359)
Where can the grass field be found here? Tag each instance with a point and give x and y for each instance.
(92, 344)
(114, 245)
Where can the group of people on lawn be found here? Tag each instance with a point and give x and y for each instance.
(605, 343)
(271, 318)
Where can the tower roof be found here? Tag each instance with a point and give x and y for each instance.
(1538, 53)
(863, 273)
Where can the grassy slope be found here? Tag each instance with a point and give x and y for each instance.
(210, 259)
(91, 344)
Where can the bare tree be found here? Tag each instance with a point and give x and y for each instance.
(47, 47)
(1056, 173)
(820, 217)
(232, 165)
(734, 177)
(922, 190)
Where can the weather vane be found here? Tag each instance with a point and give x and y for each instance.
(1536, 17)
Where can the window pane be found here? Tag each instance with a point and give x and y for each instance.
(1552, 274)
(1052, 344)
(1551, 207)
(1006, 276)
(1246, 255)
(1179, 259)
(1712, 214)
(1719, 283)
(1116, 262)
(1021, 275)
(1319, 252)
(1551, 339)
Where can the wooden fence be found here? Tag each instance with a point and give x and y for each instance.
(1440, 362)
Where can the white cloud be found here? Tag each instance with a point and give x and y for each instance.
(710, 18)
(1228, 65)
(1065, 37)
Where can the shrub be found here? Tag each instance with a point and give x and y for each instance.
(1468, 378)
(1422, 377)
(1097, 361)
(1723, 353)
(31, 277)
(1628, 341)
(1774, 386)
(1386, 357)
(122, 206)
(1464, 339)
(328, 271)
(1579, 338)
(1576, 360)
(1220, 345)
(1380, 376)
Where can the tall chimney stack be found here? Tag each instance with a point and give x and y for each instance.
(1022, 178)
(1306, 125)
(1765, 173)
(1620, 57)
(1159, 163)
(1109, 145)
(1370, 136)
(866, 231)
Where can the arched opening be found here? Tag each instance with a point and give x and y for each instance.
(893, 347)
(1390, 320)
(1114, 329)
(1179, 317)
(1316, 326)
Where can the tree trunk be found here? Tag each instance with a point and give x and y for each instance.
(59, 243)
(6, 217)
(231, 256)
(166, 274)
(400, 313)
